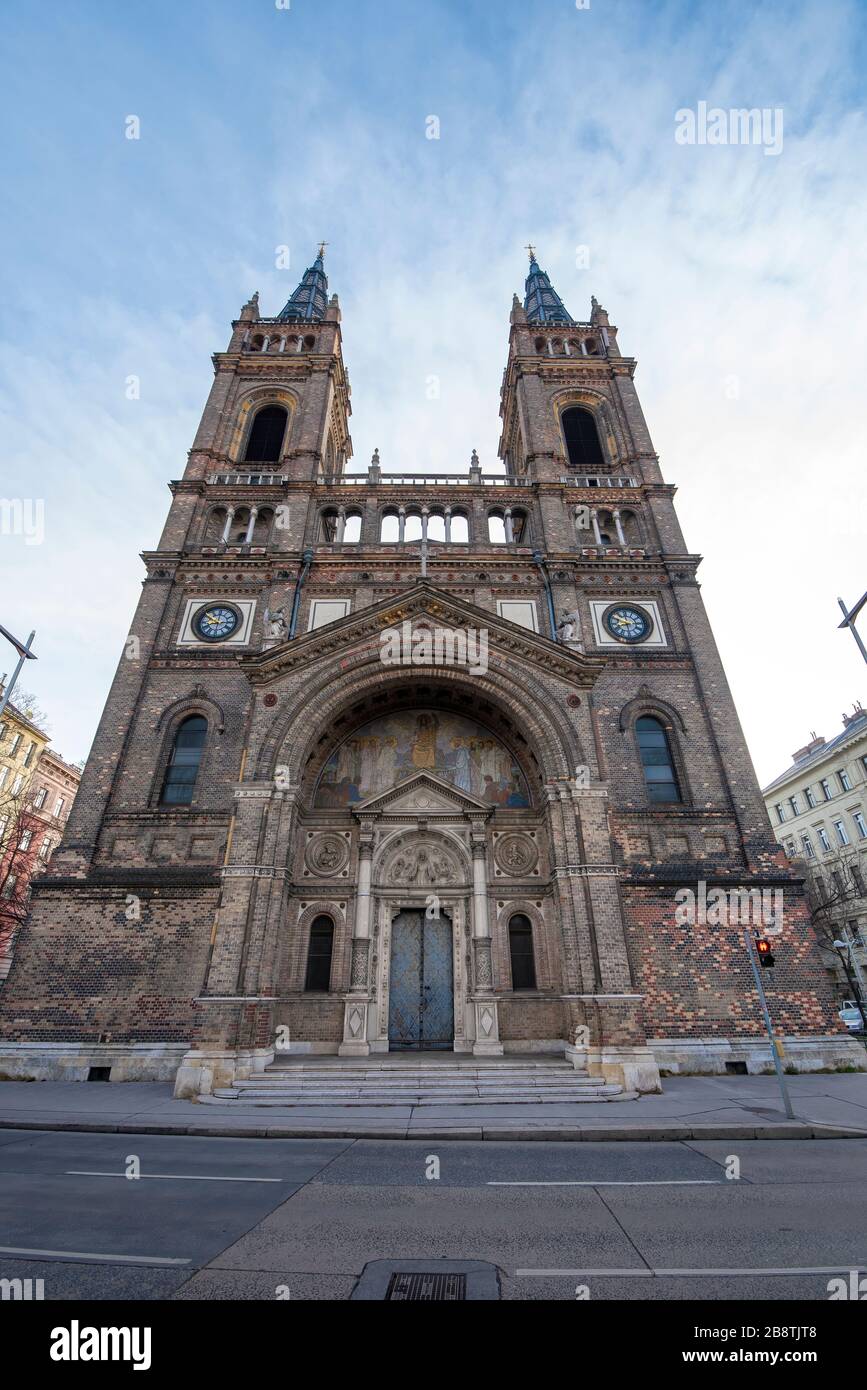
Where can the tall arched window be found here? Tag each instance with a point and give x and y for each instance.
(319, 954)
(265, 444)
(183, 769)
(583, 449)
(655, 749)
(521, 952)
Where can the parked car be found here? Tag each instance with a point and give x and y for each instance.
(851, 1016)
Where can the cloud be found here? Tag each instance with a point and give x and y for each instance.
(730, 275)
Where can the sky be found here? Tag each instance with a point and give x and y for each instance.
(736, 277)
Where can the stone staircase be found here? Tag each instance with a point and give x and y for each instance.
(407, 1080)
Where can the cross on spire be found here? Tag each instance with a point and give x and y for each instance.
(532, 251)
(322, 246)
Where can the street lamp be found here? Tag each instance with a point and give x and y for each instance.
(849, 621)
(24, 654)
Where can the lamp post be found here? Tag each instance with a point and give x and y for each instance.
(24, 654)
(849, 621)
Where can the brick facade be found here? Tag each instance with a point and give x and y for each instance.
(191, 924)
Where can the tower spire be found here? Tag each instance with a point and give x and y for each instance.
(542, 303)
(310, 300)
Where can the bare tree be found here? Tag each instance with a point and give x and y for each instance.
(19, 860)
(28, 705)
(836, 888)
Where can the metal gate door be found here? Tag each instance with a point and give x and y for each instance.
(421, 1006)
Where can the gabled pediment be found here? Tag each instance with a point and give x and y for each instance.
(424, 605)
(422, 795)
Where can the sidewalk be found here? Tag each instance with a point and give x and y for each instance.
(700, 1107)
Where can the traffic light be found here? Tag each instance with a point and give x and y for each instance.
(766, 955)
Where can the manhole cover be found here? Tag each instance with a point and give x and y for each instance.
(428, 1281)
(427, 1288)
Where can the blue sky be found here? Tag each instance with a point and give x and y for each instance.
(736, 279)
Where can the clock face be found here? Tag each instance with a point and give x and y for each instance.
(628, 624)
(216, 622)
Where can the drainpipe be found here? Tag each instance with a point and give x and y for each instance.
(540, 565)
(299, 585)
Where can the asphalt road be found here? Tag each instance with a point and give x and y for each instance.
(265, 1219)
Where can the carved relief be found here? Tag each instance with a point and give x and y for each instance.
(516, 855)
(360, 949)
(425, 865)
(327, 855)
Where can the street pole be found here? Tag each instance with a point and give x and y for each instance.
(849, 621)
(778, 1066)
(25, 654)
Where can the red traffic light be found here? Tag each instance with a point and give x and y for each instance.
(766, 955)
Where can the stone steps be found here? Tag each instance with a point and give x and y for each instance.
(385, 1082)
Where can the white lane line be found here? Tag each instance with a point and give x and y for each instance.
(681, 1273)
(89, 1257)
(175, 1177)
(610, 1182)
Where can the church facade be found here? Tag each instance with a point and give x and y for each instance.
(409, 763)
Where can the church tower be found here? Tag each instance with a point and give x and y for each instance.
(406, 762)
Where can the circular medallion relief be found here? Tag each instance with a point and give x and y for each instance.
(327, 855)
(516, 855)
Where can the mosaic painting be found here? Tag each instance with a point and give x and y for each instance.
(391, 749)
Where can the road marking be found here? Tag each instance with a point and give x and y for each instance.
(610, 1182)
(175, 1177)
(681, 1273)
(81, 1255)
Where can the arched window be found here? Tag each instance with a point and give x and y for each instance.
(436, 527)
(496, 528)
(413, 527)
(389, 530)
(655, 749)
(352, 534)
(183, 768)
(521, 952)
(583, 449)
(319, 954)
(460, 529)
(265, 444)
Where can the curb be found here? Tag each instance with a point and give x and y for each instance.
(586, 1134)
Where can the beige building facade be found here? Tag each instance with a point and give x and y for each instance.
(818, 810)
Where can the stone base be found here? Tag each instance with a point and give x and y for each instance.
(487, 1027)
(72, 1061)
(633, 1068)
(355, 1019)
(720, 1056)
(201, 1072)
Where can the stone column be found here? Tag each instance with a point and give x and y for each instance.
(227, 530)
(509, 526)
(619, 524)
(401, 526)
(597, 534)
(448, 522)
(254, 512)
(341, 526)
(487, 1043)
(357, 1003)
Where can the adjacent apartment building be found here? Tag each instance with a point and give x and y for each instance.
(818, 808)
(37, 789)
